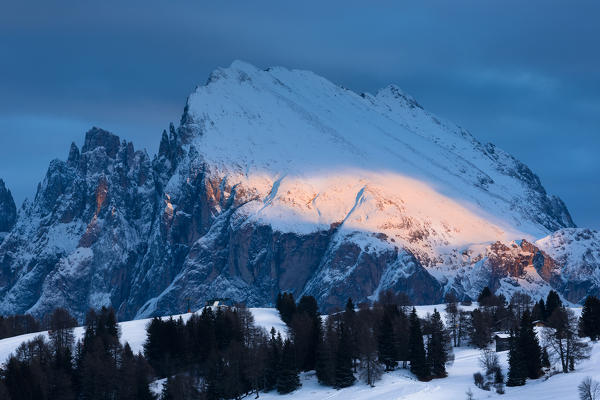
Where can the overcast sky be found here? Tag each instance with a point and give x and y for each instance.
(523, 75)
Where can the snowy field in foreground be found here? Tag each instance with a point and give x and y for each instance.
(399, 384)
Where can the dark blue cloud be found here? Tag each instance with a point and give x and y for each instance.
(524, 75)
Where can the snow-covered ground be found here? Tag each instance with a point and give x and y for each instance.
(399, 384)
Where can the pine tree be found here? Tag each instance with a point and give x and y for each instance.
(386, 342)
(589, 323)
(401, 334)
(553, 302)
(286, 306)
(529, 347)
(343, 366)
(325, 367)
(438, 347)
(214, 379)
(416, 348)
(350, 322)
(481, 328)
(484, 296)
(287, 379)
(517, 370)
(273, 358)
(305, 328)
(539, 311)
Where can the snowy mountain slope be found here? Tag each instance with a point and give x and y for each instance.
(318, 153)
(280, 180)
(391, 187)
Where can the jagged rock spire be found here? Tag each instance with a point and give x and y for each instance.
(73, 154)
(8, 210)
(97, 137)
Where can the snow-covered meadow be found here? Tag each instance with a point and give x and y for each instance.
(399, 384)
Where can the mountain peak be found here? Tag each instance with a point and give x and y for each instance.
(241, 65)
(277, 122)
(280, 180)
(97, 137)
(396, 92)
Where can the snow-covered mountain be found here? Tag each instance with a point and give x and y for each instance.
(281, 180)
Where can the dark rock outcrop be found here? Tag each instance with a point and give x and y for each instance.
(8, 210)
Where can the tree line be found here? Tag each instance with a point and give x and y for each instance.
(15, 325)
(220, 353)
(97, 367)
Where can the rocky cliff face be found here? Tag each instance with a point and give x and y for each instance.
(279, 180)
(576, 252)
(79, 241)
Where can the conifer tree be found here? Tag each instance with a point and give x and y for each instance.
(350, 322)
(401, 333)
(539, 311)
(553, 302)
(286, 305)
(529, 347)
(272, 365)
(287, 379)
(325, 367)
(438, 347)
(343, 366)
(305, 328)
(481, 328)
(386, 342)
(416, 348)
(517, 370)
(484, 296)
(589, 323)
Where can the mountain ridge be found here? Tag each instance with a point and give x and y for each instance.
(247, 197)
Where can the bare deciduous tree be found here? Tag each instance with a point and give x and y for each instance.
(488, 359)
(563, 340)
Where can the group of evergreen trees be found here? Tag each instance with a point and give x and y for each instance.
(98, 367)
(527, 358)
(221, 354)
(563, 339)
(525, 355)
(371, 339)
(589, 325)
(15, 325)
